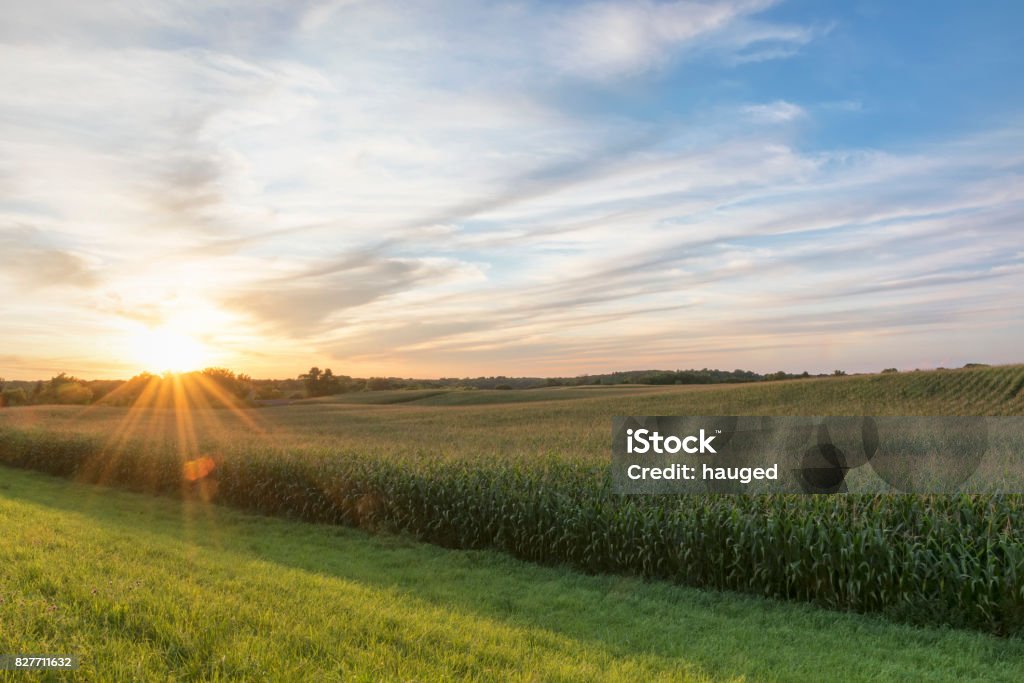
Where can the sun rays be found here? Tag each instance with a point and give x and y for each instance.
(170, 411)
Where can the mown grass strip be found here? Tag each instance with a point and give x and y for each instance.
(147, 588)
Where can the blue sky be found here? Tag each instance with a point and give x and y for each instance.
(463, 188)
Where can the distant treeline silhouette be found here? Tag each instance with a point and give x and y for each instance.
(319, 382)
(242, 389)
(218, 387)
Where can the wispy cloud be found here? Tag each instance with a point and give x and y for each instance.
(609, 39)
(462, 188)
(30, 259)
(309, 303)
(779, 111)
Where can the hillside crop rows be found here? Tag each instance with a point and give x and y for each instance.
(531, 479)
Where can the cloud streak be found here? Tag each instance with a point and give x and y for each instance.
(29, 259)
(453, 188)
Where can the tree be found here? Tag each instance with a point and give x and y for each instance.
(60, 379)
(269, 391)
(324, 383)
(73, 393)
(62, 388)
(13, 397)
(378, 384)
(237, 385)
(102, 387)
(313, 375)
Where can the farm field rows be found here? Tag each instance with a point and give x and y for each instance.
(572, 423)
(530, 478)
(153, 588)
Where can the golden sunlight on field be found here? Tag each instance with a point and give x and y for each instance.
(184, 399)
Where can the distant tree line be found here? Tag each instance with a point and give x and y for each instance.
(64, 389)
(324, 382)
(319, 382)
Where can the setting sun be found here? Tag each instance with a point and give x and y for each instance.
(163, 349)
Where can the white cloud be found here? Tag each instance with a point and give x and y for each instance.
(749, 40)
(779, 111)
(611, 39)
(396, 186)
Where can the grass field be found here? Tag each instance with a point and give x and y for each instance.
(146, 588)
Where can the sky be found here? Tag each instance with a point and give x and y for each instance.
(454, 188)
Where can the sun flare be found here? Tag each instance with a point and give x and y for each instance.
(165, 349)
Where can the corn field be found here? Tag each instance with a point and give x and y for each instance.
(957, 561)
(530, 477)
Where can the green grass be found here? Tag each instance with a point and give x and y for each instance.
(147, 588)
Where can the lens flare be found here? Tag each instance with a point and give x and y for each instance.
(197, 469)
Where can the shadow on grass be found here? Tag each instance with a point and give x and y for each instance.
(721, 634)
